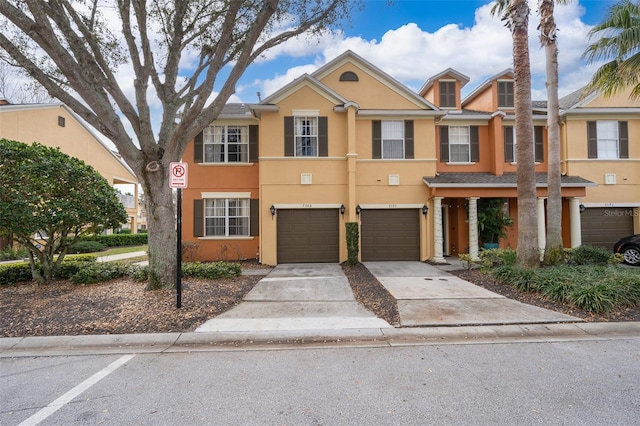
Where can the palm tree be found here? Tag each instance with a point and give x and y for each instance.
(618, 42)
(516, 15)
(548, 39)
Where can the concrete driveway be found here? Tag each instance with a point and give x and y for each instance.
(429, 296)
(306, 296)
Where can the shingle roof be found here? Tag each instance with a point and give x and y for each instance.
(485, 179)
(235, 109)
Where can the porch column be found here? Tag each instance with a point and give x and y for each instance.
(574, 218)
(542, 229)
(438, 240)
(473, 227)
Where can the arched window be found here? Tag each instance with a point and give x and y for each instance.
(349, 76)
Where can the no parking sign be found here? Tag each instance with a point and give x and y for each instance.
(178, 175)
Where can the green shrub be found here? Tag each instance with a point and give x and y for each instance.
(13, 254)
(589, 255)
(592, 297)
(496, 257)
(80, 258)
(14, 272)
(212, 270)
(99, 272)
(119, 240)
(353, 242)
(139, 273)
(86, 247)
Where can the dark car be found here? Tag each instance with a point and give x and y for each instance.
(630, 249)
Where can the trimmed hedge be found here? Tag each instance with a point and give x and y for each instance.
(212, 271)
(119, 240)
(16, 272)
(86, 247)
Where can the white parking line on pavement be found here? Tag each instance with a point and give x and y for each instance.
(69, 396)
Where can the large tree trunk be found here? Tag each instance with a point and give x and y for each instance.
(161, 224)
(528, 251)
(553, 247)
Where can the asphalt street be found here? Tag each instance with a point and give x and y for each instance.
(563, 381)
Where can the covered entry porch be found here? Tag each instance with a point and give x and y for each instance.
(454, 198)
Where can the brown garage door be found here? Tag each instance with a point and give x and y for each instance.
(392, 234)
(308, 236)
(604, 226)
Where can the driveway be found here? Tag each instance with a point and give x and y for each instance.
(305, 296)
(429, 296)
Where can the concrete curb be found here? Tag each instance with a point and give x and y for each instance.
(14, 347)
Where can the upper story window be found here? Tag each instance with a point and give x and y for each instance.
(349, 76)
(392, 139)
(306, 136)
(505, 94)
(447, 94)
(608, 139)
(459, 144)
(226, 144)
(510, 144)
(224, 217)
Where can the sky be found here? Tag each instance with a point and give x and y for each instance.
(413, 40)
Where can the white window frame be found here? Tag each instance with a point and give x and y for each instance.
(515, 144)
(389, 139)
(218, 136)
(227, 205)
(601, 141)
(305, 130)
(466, 143)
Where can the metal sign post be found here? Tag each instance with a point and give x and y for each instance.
(178, 179)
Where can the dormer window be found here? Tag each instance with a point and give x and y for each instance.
(505, 94)
(349, 76)
(447, 94)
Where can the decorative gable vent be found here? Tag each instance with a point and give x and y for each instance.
(609, 178)
(349, 76)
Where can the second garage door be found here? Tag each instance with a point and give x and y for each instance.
(308, 236)
(392, 234)
(604, 226)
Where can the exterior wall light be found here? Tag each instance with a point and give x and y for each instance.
(342, 210)
(358, 210)
(425, 210)
(582, 208)
(272, 209)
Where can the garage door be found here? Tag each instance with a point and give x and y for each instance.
(604, 226)
(392, 234)
(308, 236)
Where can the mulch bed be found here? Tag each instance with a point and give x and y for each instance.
(123, 306)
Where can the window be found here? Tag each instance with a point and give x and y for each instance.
(226, 217)
(61, 121)
(607, 132)
(448, 94)
(510, 145)
(505, 94)
(608, 139)
(226, 144)
(393, 139)
(306, 136)
(459, 144)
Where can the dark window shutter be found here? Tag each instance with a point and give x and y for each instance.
(448, 94)
(474, 139)
(289, 139)
(198, 156)
(323, 137)
(444, 144)
(254, 139)
(376, 128)
(508, 144)
(592, 139)
(198, 218)
(408, 139)
(539, 144)
(623, 134)
(254, 219)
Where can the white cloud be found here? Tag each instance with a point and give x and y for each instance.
(412, 55)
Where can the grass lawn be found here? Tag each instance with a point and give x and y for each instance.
(121, 250)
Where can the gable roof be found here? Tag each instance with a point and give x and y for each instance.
(304, 80)
(487, 83)
(489, 180)
(449, 71)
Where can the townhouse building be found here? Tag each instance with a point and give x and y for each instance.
(279, 179)
(56, 126)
